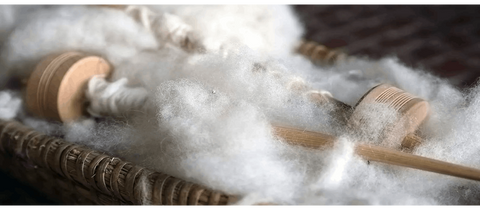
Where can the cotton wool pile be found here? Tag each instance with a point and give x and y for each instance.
(208, 114)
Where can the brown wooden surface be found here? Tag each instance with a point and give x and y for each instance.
(56, 88)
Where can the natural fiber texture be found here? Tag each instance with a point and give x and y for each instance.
(73, 174)
(114, 99)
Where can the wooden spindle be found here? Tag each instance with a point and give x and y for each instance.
(316, 140)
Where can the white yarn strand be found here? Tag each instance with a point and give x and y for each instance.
(166, 27)
(114, 99)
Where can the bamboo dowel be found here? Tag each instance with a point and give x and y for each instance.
(379, 154)
(384, 155)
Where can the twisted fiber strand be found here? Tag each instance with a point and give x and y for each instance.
(117, 99)
(170, 28)
(114, 99)
(104, 179)
(166, 27)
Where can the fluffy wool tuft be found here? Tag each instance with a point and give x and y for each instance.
(231, 26)
(208, 117)
(10, 105)
(103, 31)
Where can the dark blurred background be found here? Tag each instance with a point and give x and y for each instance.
(443, 40)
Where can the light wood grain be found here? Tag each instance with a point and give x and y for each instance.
(55, 89)
(316, 140)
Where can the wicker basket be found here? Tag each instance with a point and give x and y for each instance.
(73, 174)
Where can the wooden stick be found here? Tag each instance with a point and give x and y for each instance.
(379, 154)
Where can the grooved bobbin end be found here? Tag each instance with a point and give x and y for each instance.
(56, 88)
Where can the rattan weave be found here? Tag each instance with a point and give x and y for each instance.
(74, 174)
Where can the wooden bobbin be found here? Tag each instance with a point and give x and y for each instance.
(412, 112)
(56, 88)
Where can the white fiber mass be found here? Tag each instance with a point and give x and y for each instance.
(9, 105)
(230, 26)
(206, 116)
(103, 31)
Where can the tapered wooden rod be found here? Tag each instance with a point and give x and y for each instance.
(379, 154)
